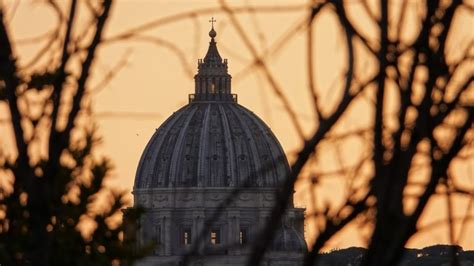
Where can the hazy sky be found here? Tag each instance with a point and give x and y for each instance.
(156, 81)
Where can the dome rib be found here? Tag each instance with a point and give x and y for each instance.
(154, 150)
(252, 145)
(260, 144)
(203, 148)
(162, 165)
(273, 149)
(178, 148)
(231, 170)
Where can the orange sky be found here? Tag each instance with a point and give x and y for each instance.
(154, 83)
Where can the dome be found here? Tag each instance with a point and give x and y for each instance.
(212, 144)
(209, 178)
(212, 141)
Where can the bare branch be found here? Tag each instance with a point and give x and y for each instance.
(101, 85)
(324, 127)
(58, 82)
(311, 76)
(201, 12)
(262, 65)
(171, 47)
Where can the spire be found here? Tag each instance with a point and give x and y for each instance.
(212, 56)
(212, 82)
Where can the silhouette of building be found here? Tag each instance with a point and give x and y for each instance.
(208, 180)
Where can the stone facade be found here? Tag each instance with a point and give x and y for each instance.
(208, 180)
(174, 212)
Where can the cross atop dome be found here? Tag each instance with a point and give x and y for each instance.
(212, 33)
(212, 22)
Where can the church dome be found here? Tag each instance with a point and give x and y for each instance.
(213, 141)
(212, 144)
(209, 178)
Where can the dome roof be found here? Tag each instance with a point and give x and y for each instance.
(212, 141)
(212, 144)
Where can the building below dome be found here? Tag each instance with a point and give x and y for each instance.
(208, 181)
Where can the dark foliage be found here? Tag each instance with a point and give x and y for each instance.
(428, 256)
(55, 209)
